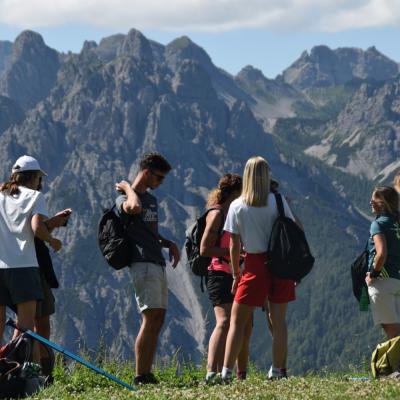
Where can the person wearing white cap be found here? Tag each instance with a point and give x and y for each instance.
(27, 163)
(22, 213)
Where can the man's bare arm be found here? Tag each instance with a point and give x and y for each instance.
(132, 204)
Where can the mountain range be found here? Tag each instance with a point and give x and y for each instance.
(328, 125)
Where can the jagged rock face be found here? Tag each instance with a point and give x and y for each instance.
(273, 99)
(137, 46)
(192, 82)
(324, 67)
(5, 55)
(10, 113)
(31, 72)
(365, 137)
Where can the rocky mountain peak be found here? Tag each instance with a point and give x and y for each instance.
(28, 46)
(183, 48)
(89, 45)
(251, 74)
(325, 67)
(136, 45)
(31, 72)
(320, 53)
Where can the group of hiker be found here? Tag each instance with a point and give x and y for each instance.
(237, 232)
(241, 213)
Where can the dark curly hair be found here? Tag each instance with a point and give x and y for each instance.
(155, 161)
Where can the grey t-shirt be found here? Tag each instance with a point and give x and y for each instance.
(142, 229)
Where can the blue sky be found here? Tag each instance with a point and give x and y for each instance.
(268, 34)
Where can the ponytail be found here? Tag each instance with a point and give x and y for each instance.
(17, 179)
(10, 186)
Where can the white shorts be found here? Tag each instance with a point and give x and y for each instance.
(384, 297)
(150, 285)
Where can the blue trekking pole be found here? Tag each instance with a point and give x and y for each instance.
(58, 348)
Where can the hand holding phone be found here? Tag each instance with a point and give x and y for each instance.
(61, 218)
(66, 213)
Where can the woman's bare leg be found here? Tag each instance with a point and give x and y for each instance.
(240, 317)
(26, 317)
(216, 346)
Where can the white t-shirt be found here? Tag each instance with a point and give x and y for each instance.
(17, 248)
(254, 224)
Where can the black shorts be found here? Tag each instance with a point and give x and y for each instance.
(18, 285)
(45, 307)
(219, 286)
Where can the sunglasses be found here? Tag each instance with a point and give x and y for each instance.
(158, 176)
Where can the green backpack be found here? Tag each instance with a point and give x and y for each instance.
(386, 358)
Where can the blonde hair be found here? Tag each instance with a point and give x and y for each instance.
(256, 182)
(396, 181)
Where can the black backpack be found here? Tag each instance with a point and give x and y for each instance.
(113, 239)
(359, 269)
(13, 356)
(12, 385)
(45, 263)
(198, 264)
(289, 255)
(18, 349)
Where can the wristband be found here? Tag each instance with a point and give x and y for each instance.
(374, 273)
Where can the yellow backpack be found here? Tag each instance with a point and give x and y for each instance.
(386, 358)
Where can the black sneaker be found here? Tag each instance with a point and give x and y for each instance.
(147, 379)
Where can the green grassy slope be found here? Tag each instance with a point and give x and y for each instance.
(81, 383)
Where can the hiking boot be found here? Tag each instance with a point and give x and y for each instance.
(146, 379)
(241, 375)
(30, 370)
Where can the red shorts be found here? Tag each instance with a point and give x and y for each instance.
(257, 284)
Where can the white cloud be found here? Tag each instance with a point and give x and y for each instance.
(203, 15)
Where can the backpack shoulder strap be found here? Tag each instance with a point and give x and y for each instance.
(279, 204)
(125, 218)
(221, 228)
(223, 218)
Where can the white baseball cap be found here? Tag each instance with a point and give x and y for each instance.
(27, 163)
